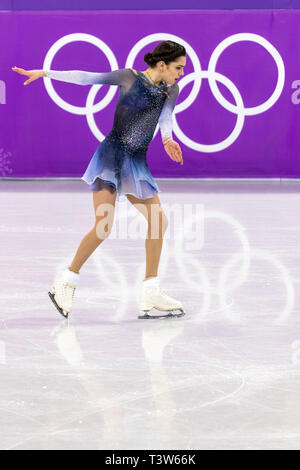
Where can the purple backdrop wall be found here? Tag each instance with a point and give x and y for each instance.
(41, 136)
(147, 4)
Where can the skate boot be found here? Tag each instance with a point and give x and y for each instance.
(63, 291)
(152, 297)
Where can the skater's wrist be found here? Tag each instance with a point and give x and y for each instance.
(167, 140)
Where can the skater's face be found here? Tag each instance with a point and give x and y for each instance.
(174, 70)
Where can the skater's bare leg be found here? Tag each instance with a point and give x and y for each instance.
(104, 207)
(157, 225)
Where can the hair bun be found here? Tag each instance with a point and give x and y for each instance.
(149, 59)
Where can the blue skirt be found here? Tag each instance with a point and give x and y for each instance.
(117, 167)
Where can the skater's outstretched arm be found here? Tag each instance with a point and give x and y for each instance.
(166, 124)
(79, 77)
(116, 77)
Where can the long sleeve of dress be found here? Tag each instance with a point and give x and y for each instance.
(79, 77)
(165, 119)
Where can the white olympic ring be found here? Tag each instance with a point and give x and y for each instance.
(213, 77)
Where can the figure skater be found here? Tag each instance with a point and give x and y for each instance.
(119, 165)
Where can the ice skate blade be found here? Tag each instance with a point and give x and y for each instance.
(65, 315)
(146, 315)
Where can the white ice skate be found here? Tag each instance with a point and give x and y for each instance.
(62, 295)
(152, 297)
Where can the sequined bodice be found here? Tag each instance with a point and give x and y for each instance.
(137, 113)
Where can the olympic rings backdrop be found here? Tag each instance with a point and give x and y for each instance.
(237, 114)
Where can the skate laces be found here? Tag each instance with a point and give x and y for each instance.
(159, 290)
(69, 289)
(163, 294)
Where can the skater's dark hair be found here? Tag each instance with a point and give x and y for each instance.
(168, 51)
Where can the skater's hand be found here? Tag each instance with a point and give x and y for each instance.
(32, 74)
(173, 150)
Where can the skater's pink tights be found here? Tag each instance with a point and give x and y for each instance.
(104, 207)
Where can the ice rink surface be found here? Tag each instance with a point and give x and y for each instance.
(225, 376)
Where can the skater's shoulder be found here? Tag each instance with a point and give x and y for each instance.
(127, 74)
(132, 71)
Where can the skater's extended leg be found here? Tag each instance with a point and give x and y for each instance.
(157, 224)
(63, 290)
(104, 207)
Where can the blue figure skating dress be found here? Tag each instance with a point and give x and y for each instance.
(119, 163)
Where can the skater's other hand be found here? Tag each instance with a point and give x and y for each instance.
(173, 150)
(32, 74)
